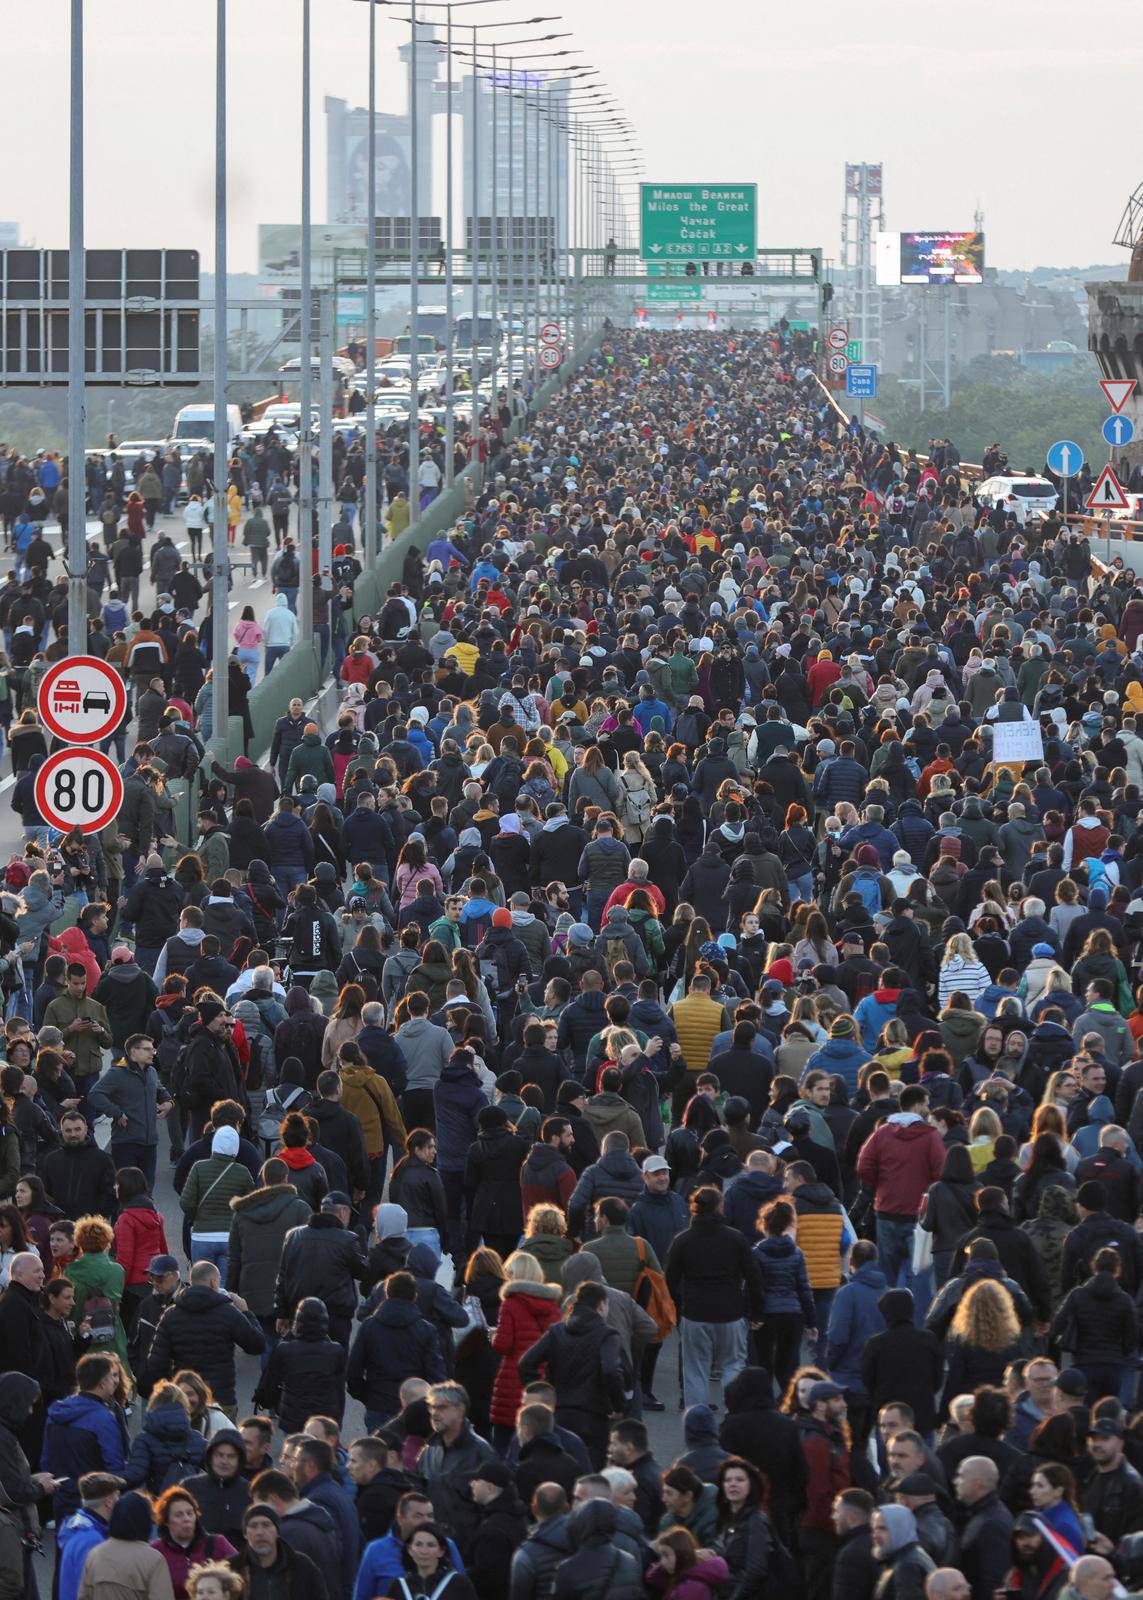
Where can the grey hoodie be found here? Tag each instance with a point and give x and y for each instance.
(426, 1048)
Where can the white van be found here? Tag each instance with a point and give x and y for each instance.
(197, 422)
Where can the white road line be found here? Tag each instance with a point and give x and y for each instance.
(6, 783)
(257, 584)
(233, 603)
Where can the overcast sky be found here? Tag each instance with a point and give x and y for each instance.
(1024, 108)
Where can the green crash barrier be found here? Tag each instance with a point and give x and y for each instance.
(298, 673)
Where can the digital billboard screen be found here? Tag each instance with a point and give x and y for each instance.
(929, 258)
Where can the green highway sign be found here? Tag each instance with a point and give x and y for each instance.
(698, 222)
(853, 350)
(674, 291)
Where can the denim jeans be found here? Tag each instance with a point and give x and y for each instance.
(801, 887)
(428, 1236)
(704, 1345)
(895, 1250)
(274, 654)
(210, 1250)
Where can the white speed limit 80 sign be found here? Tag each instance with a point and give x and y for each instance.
(79, 789)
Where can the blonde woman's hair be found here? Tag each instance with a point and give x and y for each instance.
(521, 1267)
(960, 945)
(617, 1039)
(168, 1394)
(229, 1582)
(545, 1219)
(1048, 1118)
(893, 1034)
(985, 1123)
(986, 1318)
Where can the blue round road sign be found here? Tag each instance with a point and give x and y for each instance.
(1118, 430)
(1065, 458)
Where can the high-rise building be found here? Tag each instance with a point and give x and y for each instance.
(547, 146)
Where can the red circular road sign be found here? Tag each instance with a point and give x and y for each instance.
(551, 333)
(550, 355)
(81, 699)
(837, 338)
(79, 789)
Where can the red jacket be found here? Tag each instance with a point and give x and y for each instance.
(899, 1163)
(828, 1463)
(527, 1311)
(139, 1235)
(820, 677)
(618, 896)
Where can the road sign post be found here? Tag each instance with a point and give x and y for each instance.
(1065, 458)
(698, 222)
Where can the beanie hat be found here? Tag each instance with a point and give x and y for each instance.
(782, 970)
(491, 1117)
(260, 1509)
(842, 1028)
(569, 1092)
(867, 856)
(501, 918)
(1044, 951)
(1092, 1196)
(209, 1008)
(224, 1142)
(580, 933)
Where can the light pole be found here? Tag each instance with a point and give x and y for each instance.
(305, 435)
(369, 518)
(76, 358)
(220, 582)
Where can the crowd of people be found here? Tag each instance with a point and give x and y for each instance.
(661, 984)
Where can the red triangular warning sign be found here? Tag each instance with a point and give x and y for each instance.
(1107, 495)
(1118, 391)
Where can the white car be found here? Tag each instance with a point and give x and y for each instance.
(1034, 497)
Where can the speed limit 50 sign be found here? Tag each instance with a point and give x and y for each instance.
(79, 789)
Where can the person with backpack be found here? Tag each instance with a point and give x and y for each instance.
(617, 941)
(502, 961)
(166, 1449)
(637, 799)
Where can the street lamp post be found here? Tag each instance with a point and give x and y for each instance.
(305, 332)
(414, 288)
(369, 518)
(76, 358)
(220, 582)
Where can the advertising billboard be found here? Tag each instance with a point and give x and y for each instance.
(929, 258)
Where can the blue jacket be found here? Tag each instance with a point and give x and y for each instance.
(744, 1198)
(421, 742)
(393, 1344)
(760, 1045)
(365, 836)
(871, 833)
(166, 1438)
(82, 1435)
(382, 1561)
(652, 1019)
(290, 847)
(853, 1320)
(457, 1101)
(647, 710)
(872, 1014)
(77, 1535)
(658, 1218)
(987, 1002)
(326, 1492)
(843, 1056)
(785, 1280)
